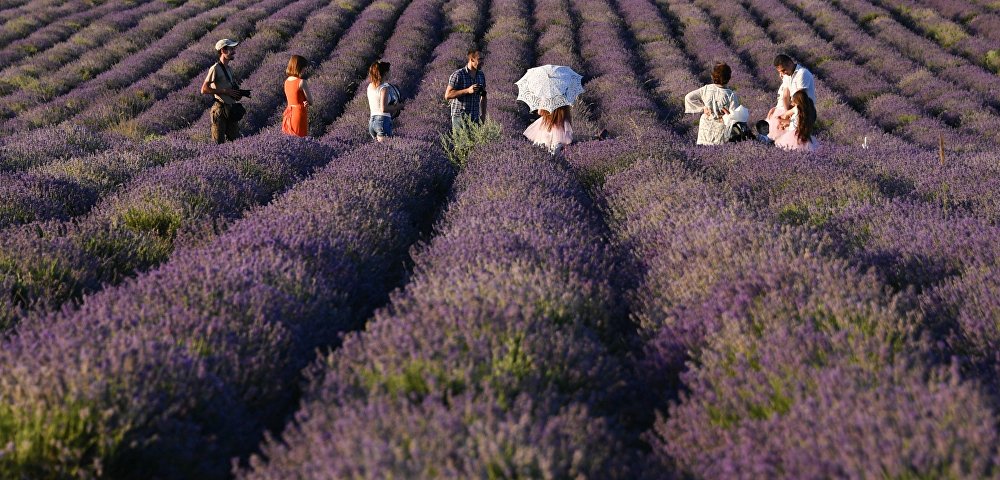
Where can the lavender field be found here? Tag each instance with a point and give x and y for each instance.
(636, 308)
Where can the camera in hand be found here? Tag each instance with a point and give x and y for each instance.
(243, 93)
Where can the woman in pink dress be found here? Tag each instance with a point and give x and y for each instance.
(801, 120)
(551, 130)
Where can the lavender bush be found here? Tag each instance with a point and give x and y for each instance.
(132, 31)
(181, 368)
(637, 307)
(67, 188)
(798, 404)
(40, 147)
(71, 20)
(185, 48)
(515, 336)
(137, 228)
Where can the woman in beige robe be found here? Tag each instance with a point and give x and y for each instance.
(713, 101)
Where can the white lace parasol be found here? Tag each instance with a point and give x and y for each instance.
(549, 87)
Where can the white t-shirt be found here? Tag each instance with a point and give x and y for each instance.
(374, 99)
(800, 79)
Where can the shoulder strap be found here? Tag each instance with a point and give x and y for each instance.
(227, 74)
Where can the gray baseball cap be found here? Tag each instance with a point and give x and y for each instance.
(225, 42)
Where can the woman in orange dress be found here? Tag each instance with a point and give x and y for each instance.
(295, 120)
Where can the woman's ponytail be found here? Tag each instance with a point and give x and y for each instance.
(377, 71)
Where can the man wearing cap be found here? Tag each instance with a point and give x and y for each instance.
(226, 111)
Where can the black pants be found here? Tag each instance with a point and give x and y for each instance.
(223, 129)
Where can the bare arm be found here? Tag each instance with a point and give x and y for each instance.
(450, 93)
(383, 99)
(788, 114)
(305, 92)
(786, 99)
(208, 89)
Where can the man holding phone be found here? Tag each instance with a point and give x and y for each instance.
(467, 91)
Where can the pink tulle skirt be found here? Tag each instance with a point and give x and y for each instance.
(774, 130)
(549, 138)
(789, 141)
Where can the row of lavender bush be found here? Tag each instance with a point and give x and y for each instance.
(47, 264)
(67, 188)
(173, 373)
(508, 45)
(130, 34)
(16, 8)
(185, 52)
(494, 361)
(978, 47)
(71, 20)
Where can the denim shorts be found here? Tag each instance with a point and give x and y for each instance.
(380, 126)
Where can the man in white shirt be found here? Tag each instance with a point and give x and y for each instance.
(794, 77)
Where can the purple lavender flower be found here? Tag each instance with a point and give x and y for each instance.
(176, 371)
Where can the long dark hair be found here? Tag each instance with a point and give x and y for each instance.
(807, 115)
(377, 72)
(558, 117)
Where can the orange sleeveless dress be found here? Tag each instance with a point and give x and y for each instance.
(295, 120)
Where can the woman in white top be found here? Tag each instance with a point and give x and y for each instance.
(381, 103)
(552, 130)
(713, 101)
